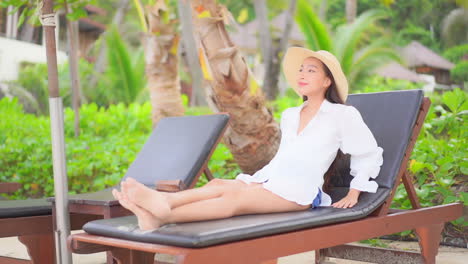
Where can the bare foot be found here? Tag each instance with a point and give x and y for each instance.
(146, 221)
(151, 200)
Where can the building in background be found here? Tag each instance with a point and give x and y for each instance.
(26, 44)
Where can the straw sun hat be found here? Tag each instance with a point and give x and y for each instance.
(295, 56)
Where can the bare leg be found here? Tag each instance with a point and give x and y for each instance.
(146, 196)
(251, 199)
(214, 188)
(146, 221)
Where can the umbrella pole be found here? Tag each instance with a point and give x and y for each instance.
(62, 223)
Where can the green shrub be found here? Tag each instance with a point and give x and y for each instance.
(438, 162)
(109, 141)
(378, 83)
(459, 73)
(456, 54)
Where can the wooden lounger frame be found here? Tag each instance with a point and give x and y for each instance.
(326, 240)
(36, 233)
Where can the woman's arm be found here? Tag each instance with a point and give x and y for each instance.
(366, 157)
(349, 200)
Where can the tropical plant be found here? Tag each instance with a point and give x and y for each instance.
(126, 75)
(459, 56)
(123, 81)
(359, 50)
(438, 162)
(457, 53)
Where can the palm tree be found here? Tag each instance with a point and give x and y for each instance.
(358, 52)
(454, 27)
(351, 10)
(253, 135)
(160, 42)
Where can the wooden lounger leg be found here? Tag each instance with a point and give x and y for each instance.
(128, 256)
(40, 247)
(319, 256)
(429, 240)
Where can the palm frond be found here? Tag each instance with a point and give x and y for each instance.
(369, 59)
(315, 32)
(348, 36)
(120, 66)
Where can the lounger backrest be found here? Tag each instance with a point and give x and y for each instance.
(177, 148)
(391, 117)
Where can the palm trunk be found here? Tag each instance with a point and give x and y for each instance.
(266, 44)
(185, 14)
(351, 11)
(160, 45)
(253, 135)
(271, 80)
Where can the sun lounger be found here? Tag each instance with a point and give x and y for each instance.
(187, 139)
(395, 118)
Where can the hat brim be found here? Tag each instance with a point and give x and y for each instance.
(294, 58)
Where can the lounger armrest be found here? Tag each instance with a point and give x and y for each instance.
(170, 185)
(9, 187)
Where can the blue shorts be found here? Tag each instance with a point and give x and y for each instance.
(317, 200)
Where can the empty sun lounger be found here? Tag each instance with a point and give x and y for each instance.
(395, 119)
(190, 140)
(177, 151)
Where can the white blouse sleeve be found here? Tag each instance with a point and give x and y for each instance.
(366, 156)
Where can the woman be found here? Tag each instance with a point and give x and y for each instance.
(297, 177)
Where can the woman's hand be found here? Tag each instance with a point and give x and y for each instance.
(349, 200)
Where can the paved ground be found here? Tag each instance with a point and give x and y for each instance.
(447, 255)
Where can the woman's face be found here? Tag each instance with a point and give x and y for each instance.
(311, 78)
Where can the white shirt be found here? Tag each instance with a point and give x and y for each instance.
(297, 170)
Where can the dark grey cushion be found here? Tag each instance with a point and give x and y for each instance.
(206, 233)
(390, 116)
(176, 150)
(20, 208)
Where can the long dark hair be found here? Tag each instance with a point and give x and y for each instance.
(331, 95)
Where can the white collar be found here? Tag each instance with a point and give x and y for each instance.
(325, 106)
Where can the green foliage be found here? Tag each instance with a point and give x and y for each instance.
(378, 83)
(29, 9)
(438, 161)
(123, 80)
(99, 157)
(456, 54)
(124, 74)
(315, 32)
(420, 20)
(222, 165)
(459, 73)
(357, 46)
(290, 99)
(109, 141)
(375, 242)
(412, 32)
